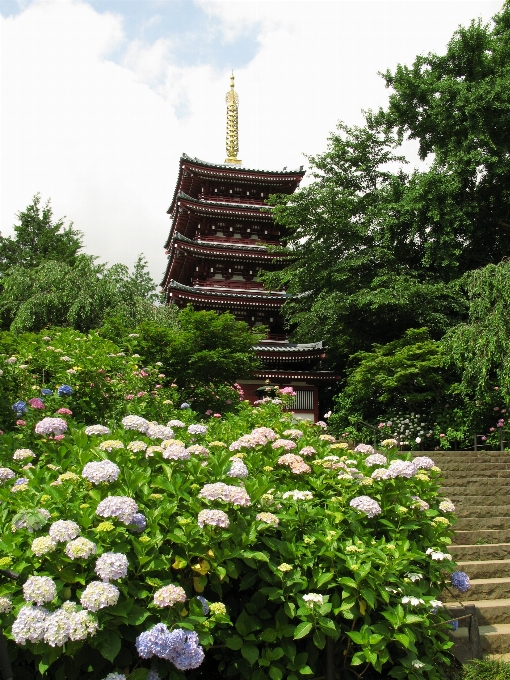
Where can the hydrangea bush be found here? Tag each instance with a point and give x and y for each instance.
(216, 552)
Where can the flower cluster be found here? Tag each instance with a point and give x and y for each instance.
(365, 448)
(155, 431)
(268, 518)
(229, 494)
(307, 451)
(47, 426)
(111, 566)
(375, 459)
(135, 423)
(176, 451)
(295, 463)
(169, 595)
(111, 444)
(215, 518)
(237, 469)
(460, 580)
(286, 444)
(6, 474)
(293, 434)
(63, 530)
(101, 472)
(23, 454)
(43, 545)
(313, 599)
(257, 437)
(97, 429)
(39, 589)
(98, 595)
(81, 548)
(198, 450)
(197, 429)
(297, 495)
(447, 506)
(121, 507)
(136, 446)
(175, 423)
(179, 646)
(367, 505)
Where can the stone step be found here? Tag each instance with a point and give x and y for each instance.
(477, 488)
(467, 483)
(495, 638)
(488, 612)
(481, 537)
(482, 473)
(453, 466)
(482, 589)
(465, 510)
(485, 568)
(441, 455)
(496, 551)
(477, 523)
(466, 501)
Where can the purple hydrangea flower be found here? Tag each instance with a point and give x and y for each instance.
(65, 391)
(20, 407)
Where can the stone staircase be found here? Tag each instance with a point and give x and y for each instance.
(479, 485)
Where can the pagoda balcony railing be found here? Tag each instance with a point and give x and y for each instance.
(277, 338)
(231, 199)
(237, 241)
(221, 283)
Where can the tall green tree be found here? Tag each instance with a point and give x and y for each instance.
(376, 249)
(38, 237)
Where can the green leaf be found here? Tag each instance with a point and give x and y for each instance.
(250, 652)
(139, 674)
(319, 639)
(275, 673)
(324, 578)
(234, 642)
(402, 638)
(110, 645)
(290, 609)
(302, 629)
(306, 670)
(369, 596)
(268, 635)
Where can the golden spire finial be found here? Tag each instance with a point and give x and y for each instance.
(232, 124)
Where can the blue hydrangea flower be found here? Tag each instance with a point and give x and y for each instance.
(460, 580)
(185, 405)
(138, 523)
(20, 407)
(46, 392)
(454, 625)
(65, 391)
(21, 480)
(204, 603)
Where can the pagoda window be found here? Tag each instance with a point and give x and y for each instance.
(219, 233)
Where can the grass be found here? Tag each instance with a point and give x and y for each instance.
(487, 670)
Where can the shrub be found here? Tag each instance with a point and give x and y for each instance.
(487, 670)
(240, 570)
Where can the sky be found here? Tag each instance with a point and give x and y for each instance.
(100, 98)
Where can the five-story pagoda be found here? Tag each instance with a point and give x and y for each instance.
(218, 244)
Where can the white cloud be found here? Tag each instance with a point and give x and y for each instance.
(103, 139)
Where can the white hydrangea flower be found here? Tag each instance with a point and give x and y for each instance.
(22, 454)
(80, 549)
(98, 595)
(136, 446)
(122, 507)
(135, 423)
(447, 506)
(169, 595)
(297, 495)
(312, 599)
(56, 628)
(111, 566)
(238, 469)
(365, 504)
(5, 605)
(97, 429)
(6, 474)
(81, 625)
(175, 423)
(63, 531)
(29, 625)
(155, 431)
(43, 545)
(101, 472)
(39, 589)
(414, 601)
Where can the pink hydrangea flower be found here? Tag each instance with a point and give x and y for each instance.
(21, 423)
(36, 403)
(65, 412)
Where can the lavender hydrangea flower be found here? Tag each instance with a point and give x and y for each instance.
(39, 589)
(153, 642)
(268, 518)
(29, 625)
(179, 646)
(365, 504)
(216, 518)
(98, 595)
(48, 426)
(365, 448)
(115, 676)
(136, 446)
(460, 580)
(122, 507)
(56, 628)
(198, 450)
(23, 454)
(197, 429)
(229, 494)
(169, 595)
(111, 566)
(21, 481)
(63, 531)
(447, 506)
(419, 503)
(97, 429)
(402, 468)
(176, 452)
(101, 472)
(185, 405)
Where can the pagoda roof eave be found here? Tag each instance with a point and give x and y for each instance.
(219, 206)
(234, 172)
(309, 376)
(228, 250)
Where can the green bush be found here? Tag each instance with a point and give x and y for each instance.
(487, 670)
(297, 566)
